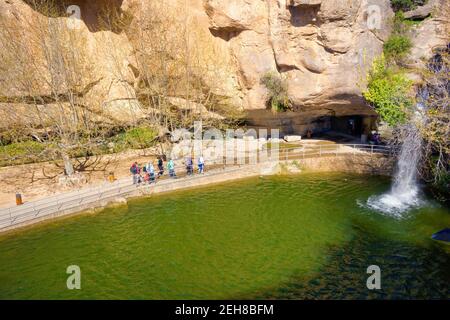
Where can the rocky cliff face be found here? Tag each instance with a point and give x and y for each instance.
(432, 32)
(103, 56)
(322, 47)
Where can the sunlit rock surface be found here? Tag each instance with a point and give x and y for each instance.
(323, 48)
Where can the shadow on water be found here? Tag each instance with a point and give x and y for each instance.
(407, 272)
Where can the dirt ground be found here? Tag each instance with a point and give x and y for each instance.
(36, 181)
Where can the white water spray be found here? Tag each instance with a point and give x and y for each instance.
(405, 191)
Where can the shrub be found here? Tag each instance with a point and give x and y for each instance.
(278, 92)
(389, 92)
(397, 47)
(399, 24)
(21, 152)
(136, 138)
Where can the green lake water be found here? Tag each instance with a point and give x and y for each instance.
(296, 237)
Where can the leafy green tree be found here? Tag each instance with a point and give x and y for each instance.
(389, 93)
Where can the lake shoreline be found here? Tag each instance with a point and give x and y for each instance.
(371, 164)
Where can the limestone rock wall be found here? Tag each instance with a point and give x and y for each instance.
(322, 47)
(103, 57)
(433, 32)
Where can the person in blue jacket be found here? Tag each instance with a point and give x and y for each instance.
(171, 168)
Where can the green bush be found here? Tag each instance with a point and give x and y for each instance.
(135, 138)
(18, 149)
(278, 92)
(20, 152)
(389, 92)
(399, 24)
(397, 47)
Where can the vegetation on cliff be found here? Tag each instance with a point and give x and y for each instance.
(405, 5)
(398, 45)
(389, 92)
(392, 93)
(436, 129)
(277, 87)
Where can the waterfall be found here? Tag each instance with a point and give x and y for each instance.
(405, 191)
(405, 180)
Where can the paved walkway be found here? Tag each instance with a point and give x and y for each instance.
(102, 195)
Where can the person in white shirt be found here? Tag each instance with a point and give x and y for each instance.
(201, 164)
(151, 172)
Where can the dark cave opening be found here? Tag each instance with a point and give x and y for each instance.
(302, 16)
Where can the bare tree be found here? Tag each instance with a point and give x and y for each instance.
(46, 74)
(436, 130)
(172, 69)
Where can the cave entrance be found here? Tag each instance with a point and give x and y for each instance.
(348, 125)
(302, 16)
(357, 127)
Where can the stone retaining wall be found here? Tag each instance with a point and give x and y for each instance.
(373, 164)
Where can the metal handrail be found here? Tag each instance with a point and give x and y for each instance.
(129, 187)
(69, 200)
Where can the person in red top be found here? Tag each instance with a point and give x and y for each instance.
(136, 172)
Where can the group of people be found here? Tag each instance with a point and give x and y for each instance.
(148, 173)
(189, 162)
